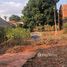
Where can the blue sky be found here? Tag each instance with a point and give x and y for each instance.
(9, 7)
(61, 2)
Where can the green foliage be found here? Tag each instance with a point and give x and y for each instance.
(17, 33)
(41, 12)
(65, 25)
(54, 1)
(2, 34)
(14, 17)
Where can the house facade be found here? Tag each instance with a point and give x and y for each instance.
(63, 13)
(13, 23)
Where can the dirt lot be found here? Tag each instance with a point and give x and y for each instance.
(51, 51)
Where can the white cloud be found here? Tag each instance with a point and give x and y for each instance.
(11, 4)
(11, 7)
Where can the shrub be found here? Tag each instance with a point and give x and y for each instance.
(17, 33)
(65, 27)
(48, 28)
(15, 37)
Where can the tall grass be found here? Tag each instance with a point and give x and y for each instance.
(65, 27)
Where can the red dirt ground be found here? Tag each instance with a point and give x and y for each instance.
(18, 56)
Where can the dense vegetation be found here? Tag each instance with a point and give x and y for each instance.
(17, 33)
(11, 37)
(39, 13)
(13, 33)
(14, 17)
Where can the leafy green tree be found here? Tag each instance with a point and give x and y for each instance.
(14, 17)
(41, 12)
(5, 17)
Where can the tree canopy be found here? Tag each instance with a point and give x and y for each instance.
(14, 17)
(39, 12)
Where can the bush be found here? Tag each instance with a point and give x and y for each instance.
(15, 37)
(17, 33)
(65, 27)
(48, 28)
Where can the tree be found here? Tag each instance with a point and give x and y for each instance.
(14, 17)
(54, 1)
(5, 17)
(41, 12)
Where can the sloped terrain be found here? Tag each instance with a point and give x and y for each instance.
(49, 51)
(50, 56)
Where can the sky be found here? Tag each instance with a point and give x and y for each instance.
(10, 7)
(61, 2)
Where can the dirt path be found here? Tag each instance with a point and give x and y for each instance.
(54, 55)
(16, 59)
